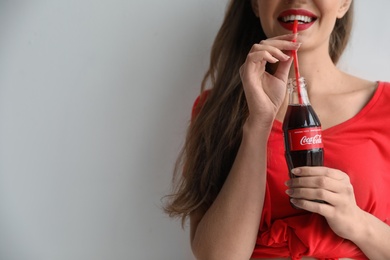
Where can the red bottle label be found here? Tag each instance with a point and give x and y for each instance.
(305, 138)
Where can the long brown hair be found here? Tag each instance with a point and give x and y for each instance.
(214, 136)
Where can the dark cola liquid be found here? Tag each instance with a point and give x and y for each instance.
(301, 117)
(297, 117)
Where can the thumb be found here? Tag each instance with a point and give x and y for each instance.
(283, 70)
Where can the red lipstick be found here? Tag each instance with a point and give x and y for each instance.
(306, 19)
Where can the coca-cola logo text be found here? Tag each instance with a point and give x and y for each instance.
(311, 140)
(305, 138)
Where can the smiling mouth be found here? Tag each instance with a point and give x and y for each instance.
(302, 19)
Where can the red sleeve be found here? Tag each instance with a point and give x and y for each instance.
(198, 104)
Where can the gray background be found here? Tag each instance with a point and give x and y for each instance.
(95, 97)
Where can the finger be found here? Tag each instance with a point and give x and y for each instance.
(319, 171)
(319, 195)
(321, 181)
(281, 44)
(323, 209)
(283, 70)
(255, 64)
(274, 51)
(285, 37)
(258, 57)
(321, 188)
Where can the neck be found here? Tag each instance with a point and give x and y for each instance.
(317, 68)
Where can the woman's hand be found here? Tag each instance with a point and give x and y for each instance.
(264, 92)
(332, 186)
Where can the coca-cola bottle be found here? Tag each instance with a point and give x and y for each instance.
(302, 129)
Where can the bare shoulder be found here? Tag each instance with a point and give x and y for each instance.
(355, 84)
(358, 93)
(195, 217)
(350, 95)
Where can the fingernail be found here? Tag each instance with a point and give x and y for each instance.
(289, 192)
(288, 183)
(296, 171)
(297, 44)
(293, 201)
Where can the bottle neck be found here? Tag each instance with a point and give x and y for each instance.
(297, 92)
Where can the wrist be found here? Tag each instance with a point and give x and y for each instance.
(258, 125)
(256, 130)
(363, 231)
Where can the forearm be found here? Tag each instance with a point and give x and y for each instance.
(373, 237)
(229, 228)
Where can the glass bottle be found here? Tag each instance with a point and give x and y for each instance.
(301, 129)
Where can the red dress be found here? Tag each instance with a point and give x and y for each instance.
(359, 147)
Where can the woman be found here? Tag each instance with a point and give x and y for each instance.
(234, 174)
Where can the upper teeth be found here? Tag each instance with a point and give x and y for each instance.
(300, 18)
